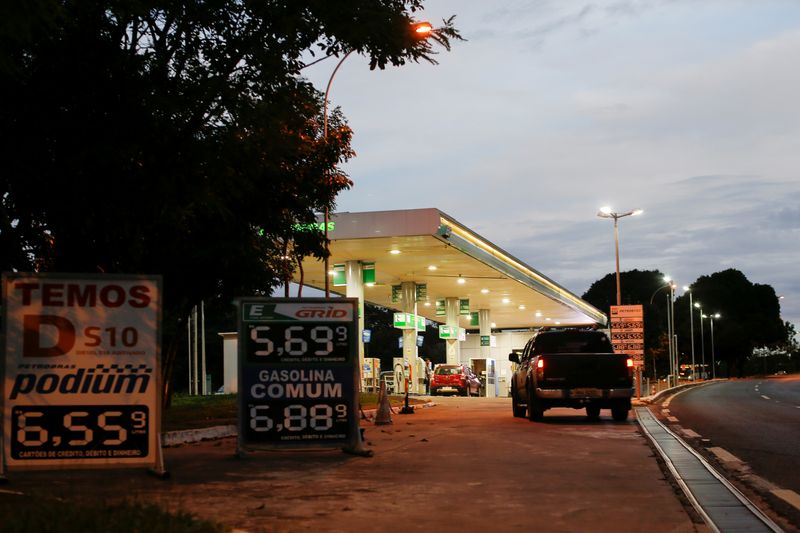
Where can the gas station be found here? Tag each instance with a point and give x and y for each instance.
(430, 267)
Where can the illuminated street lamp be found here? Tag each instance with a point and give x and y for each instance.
(670, 329)
(607, 212)
(702, 341)
(713, 362)
(691, 327)
(421, 30)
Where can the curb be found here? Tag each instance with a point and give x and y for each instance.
(172, 439)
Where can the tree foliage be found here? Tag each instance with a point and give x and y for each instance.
(749, 317)
(645, 287)
(178, 138)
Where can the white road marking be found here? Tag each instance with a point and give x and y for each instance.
(765, 397)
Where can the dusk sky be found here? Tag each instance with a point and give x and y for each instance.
(687, 109)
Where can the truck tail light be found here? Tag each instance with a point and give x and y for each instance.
(540, 363)
(629, 363)
(540, 369)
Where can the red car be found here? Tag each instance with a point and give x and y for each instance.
(454, 379)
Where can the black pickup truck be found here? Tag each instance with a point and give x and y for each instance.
(571, 368)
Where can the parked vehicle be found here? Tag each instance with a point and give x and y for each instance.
(454, 379)
(571, 367)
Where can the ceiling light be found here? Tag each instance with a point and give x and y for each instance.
(461, 280)
(494, 325)
(432, 268)
(506, 300)
(394, 251)
(521, 307)
(427, 304)
(547, 318)
(538, 314)
(484, 291)
(371, 284)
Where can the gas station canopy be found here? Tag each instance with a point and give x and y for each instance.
(430, 248)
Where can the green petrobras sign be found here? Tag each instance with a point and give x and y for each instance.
(451, 332)
(405, 321)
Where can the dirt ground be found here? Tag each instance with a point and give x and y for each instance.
(464, 465)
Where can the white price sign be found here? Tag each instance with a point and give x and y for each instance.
(81, 375)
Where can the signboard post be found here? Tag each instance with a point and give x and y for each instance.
(81, 379)
(298, 370)
(627, 336)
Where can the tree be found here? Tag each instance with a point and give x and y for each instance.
(639, 287)
(749, 318)
(178, 138)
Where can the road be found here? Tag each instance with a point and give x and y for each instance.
(464, 465)
(757, 420)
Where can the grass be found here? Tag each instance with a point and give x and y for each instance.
(31, 513)
(193, 412)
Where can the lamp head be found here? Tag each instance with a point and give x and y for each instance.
(422, 30)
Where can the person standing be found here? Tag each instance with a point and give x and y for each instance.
(428, 373)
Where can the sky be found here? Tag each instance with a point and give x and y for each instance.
(687, 109)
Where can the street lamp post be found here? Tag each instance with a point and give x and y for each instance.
(421, 30)
(713, 362)
(607, 212)
(670, 318)
(672, 336)
(702, 341)
(691, 329)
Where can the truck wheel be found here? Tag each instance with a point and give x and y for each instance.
(516, 408)
(592, 412)
(620, 414)
(535, 411)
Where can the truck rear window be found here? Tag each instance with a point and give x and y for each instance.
(572, 342)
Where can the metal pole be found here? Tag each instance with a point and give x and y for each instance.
(194, 349)
(675, 337)
(616, 255)
(325, 137)
(691, 334)
(189, 346)
(702, 345)
(669, 338)
(203, 345)
(713, 362)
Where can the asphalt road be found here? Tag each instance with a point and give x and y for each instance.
(464, 465)
(757, 420)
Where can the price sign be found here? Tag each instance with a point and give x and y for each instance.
(627, 331)
(81, 375)
(298, 362)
